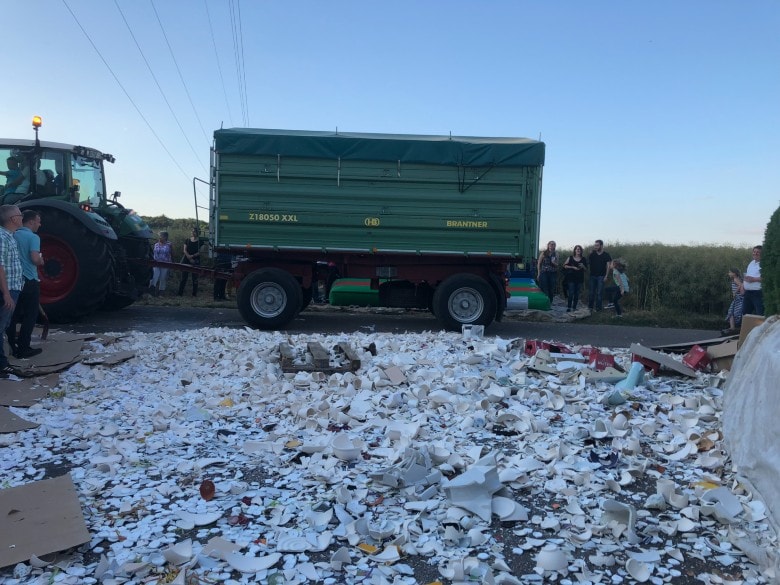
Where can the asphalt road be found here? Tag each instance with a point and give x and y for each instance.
(151, 319)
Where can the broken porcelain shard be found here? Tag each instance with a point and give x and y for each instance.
(346, 448)
(251, 564)
(639, 570)
(552, 558)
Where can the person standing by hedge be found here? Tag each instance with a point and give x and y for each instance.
(619, 289)
(574, 277)
(598, 261)
(734, 314)
(547, 270)
(753, 301)
(162, 252)
(191, 256)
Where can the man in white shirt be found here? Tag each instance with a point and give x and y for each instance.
(753, 303)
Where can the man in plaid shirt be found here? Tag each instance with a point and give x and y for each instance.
(11, 279)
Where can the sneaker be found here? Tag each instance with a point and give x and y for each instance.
(6, 371)
(28, 352)
(609, 306)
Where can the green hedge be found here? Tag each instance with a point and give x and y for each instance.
(770, 265)
(682, 278)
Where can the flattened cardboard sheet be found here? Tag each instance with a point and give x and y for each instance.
(27, 392)
(608, 375)
(726, 349)
(56, 356)
(722, 355)
(40, 518)
(58, 335)
(10, 423)
(685, 347)
(663, 360)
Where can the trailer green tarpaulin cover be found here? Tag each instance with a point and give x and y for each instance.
(438, 150)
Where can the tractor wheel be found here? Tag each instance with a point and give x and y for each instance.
(115, 302)
(132, 277)
(269, 298)
(464, 299)
(78, 269)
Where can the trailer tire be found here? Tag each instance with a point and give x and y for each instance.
(464, 299)
(78, 270)
(269, 298)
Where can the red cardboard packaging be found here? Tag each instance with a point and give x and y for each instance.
(697, 358)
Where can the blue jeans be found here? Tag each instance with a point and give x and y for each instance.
(5, 319)
(547, 282)
(596, 292)
(753, 303)
(574, 295)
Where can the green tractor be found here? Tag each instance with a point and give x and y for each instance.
(96, 251)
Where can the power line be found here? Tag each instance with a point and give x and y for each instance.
(157, 83)
(243, 62)
(219, 67)
(122, 87)
(181, 77)
(238, 56)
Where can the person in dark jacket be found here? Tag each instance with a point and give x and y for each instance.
(191, 256)
(598, 261)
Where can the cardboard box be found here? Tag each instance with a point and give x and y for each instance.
(600, 361)
(534, 345)
(749, 322)
(722, 355)
(697, 358)
(647, 363)
(656, 360)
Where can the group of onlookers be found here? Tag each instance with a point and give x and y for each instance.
(746, 295)
(607, 277)
(600, 267)
(163, 252)
(20, 257)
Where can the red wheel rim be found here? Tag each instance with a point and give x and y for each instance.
(60, 271)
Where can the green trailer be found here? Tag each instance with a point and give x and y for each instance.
(432, 221)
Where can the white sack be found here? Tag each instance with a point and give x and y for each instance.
(751, 413)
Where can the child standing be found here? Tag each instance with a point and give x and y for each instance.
(734, 314)
(616, 291)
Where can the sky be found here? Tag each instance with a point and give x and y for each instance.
(661, 119)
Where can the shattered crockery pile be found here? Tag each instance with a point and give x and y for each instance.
(421, 458)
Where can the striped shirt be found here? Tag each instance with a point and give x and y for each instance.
(9, 260)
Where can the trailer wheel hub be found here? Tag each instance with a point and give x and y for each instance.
(268, 300)
(466, 304)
